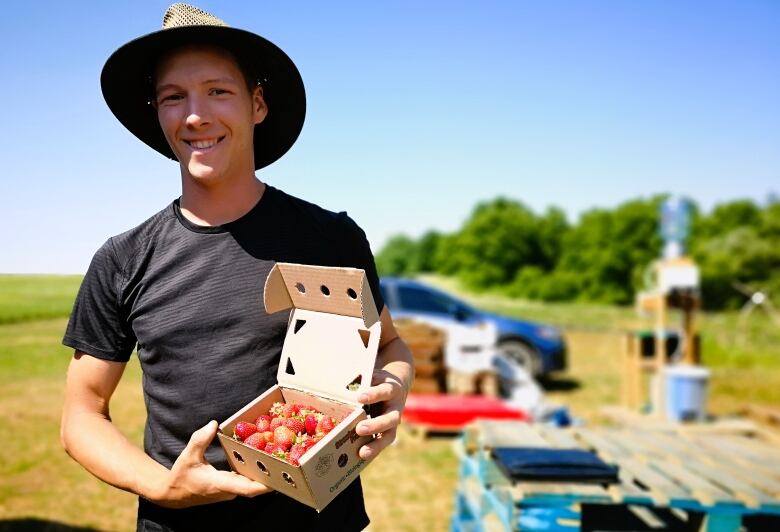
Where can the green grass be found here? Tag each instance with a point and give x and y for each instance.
(36, 297)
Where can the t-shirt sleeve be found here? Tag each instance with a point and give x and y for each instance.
(98, 324)
(358, 255)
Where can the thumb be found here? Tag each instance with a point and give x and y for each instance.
(200, 441)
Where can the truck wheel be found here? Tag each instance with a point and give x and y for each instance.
(523, 354)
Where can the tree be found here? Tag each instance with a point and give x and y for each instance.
(605, 254)
(427, 248)
(497, 240)
(399, 256)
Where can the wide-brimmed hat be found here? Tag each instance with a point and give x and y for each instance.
(126, 80)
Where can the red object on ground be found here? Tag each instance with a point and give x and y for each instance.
(456, 411)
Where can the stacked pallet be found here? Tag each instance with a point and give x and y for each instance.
(427, 346)
(673, 478)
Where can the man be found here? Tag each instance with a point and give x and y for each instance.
(185, 286)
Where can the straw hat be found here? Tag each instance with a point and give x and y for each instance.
(126, 80)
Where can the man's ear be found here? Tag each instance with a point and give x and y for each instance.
(259, 107)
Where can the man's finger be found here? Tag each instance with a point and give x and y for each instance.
(200, 440)
(377, 394)
(370, 450)
(379, 424)
(231, 482)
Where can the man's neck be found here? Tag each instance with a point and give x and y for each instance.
(221, 203)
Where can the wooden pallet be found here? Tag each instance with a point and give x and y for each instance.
(720, 475)
(426, 344)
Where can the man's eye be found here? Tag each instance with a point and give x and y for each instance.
(219, 92)
(170, 98)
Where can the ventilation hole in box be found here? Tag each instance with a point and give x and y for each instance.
(343, 459)
(355, 384)
(351, 293)
(365, 336)
(300, 287)
(238, 456)
(261, 467)
(325, 290)
(290, 370)
(298, 325)
(287, 478)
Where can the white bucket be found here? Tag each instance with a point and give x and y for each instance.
(686, 392)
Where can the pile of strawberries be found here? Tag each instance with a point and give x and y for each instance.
(287, 431)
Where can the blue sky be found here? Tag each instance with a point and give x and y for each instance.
(416, 112)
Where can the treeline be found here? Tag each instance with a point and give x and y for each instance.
(602, 258)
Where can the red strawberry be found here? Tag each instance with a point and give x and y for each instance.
(308, 444)
(295, 454)
(255, 440)
(263, 423)
(277, 422)
(325, 425)
(268, 436)
(284, 436)
(295, 425)
(243, 430)
(311, 424)
(291, 409)
(271, 448)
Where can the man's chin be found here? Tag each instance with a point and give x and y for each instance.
(201, 173)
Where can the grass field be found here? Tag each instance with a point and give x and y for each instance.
(410, 487)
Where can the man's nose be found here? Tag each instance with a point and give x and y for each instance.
(197, 112)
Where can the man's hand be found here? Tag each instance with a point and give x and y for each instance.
(390, 384)
(193, 481)
(388, 389)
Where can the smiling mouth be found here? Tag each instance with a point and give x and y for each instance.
(203, 144)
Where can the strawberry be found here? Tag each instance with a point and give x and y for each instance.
(308, 444)
(295, 425)
(291, 409)
(277, 422)
(295, 454)
(255, 440)
(243, 430)
(284, 437)
(325, 425)
(271, 448)
(311, 424)
(268, 436)
(263, 423)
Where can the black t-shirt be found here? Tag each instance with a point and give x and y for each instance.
(191, 299)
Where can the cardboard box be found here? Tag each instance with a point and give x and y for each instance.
(330, 346)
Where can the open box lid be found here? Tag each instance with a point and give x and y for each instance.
(333, 335)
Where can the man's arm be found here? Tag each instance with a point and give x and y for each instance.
(89, 436)
(393, 375)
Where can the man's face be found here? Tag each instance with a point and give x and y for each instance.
(207, 112)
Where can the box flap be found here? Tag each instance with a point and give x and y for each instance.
(333, 335)
(342, 291)
(328, 354)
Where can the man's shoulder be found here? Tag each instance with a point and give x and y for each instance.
(306, 211)
(127, 243)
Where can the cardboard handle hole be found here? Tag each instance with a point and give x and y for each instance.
(343, 459)
(300, 287)
(238, 456)
(261, 467)
(287, 478)
(325, 290)
(351, 293)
